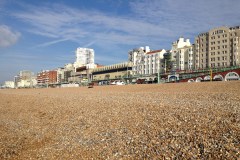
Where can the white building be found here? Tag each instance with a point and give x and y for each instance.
(25, 74)
(147, 62)
(27, 83)
(182, 54)
(9, 84)
(34, 81)
(84, 57)
(25, 79)
(24, 83)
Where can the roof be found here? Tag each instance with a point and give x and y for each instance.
(99, 65)
(82, 68)
(151, 52)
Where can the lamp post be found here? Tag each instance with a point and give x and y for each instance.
(158, 68)
(210, 74)
(165, 63)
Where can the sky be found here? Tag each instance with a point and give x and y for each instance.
(43, 35)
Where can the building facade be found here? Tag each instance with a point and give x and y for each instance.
(25, 79)
(9, 84)
(16, 80)
(84, 57)
(119, 71)
(47, 77)
(182, 54)
(63, 74)
(147, 62)
(218, 47)
(25, 75)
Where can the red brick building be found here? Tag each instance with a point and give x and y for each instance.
(47, 77)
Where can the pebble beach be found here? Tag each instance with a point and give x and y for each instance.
(147, 121)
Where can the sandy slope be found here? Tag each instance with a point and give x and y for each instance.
(182, 120)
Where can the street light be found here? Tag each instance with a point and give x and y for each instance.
(158, 68)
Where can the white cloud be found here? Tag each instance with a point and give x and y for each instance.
(52, 42)
(7, 36)
(149, 21)
(83, 26)
(188, 16)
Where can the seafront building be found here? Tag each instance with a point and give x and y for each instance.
(182, 55)
(9, 84)
(79, 71)
(104, 74)
(219, 47)
(27, 83)
(25, 79)
(25, 74)
(146, 62)
(16, 80)
(84, 57)
(64, 73)
(46, 77)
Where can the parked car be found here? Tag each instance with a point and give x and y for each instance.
(113, 83)
(120, 83)
(117, 83)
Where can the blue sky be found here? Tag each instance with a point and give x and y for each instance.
(36, 35)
